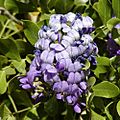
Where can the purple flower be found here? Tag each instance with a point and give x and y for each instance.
(112, 46)
(61, 52)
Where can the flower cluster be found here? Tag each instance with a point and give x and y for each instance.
(112, 46)
(63, 48)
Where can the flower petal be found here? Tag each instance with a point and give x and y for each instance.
(77, 108)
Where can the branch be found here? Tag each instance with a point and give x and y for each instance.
(3, 11)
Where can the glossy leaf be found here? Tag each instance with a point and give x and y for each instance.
(9, 70)
(112, 22)
(107, 111)
(63, 6)
(104, 10)
(3, 60)
(95, 116)
(106, 89)
(118, 108)
(24, 47)
(116, 7)
(103, 61)
(5, 113)
(20, 65)
(9, 49)
(80, 1)
(11, 5)
(3, 82)
(21, 98)
(32, 114)
(91, 81)
(100, 70)
(51, 106)
(44, 5)
(31, 31)
(13, 84)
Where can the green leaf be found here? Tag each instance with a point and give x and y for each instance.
(100, 70)
(32, 115)
(21, 98)
(5, 113)
(118, 108)
(104, 10)
(107, 111)
(63, 6)
(3, 83)
(51, 106)
(3, 60)
(51, 4)
(112, 22)
(31, 31)
(27, 6)
(95, 116)
(69, 113)
(103, 61)
(98, 103)
(116, 7)
(24, 47)
(2, 3)
(9, 70)
(11, 5)
(9, 49)
(13, 84)
(20, 65)
(44, 5)
(87, 65)
(91, 81)
(106, 89)
(76, 2)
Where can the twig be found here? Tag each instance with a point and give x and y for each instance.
(3, 11)
(13, 104)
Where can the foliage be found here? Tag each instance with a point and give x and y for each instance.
(20, 21)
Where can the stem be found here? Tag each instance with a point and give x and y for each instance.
(12, 101)
(26, 109)
(2, 31)
(3, 11)
(13, 33)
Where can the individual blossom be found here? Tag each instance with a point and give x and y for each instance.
(62, 50)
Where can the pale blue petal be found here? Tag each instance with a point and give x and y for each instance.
(57, 47)
(71, 68)
(83, 85)
(44, 55)
(70, 16)
(77, 66)
(51, 69)
(77, 77)
(65, 43)
(71, 78)
(50, 57)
